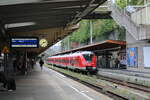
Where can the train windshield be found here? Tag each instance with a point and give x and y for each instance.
(88, 57)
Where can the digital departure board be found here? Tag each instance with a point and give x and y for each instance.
(25, 42)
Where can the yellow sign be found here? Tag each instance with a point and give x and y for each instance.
(5, 50)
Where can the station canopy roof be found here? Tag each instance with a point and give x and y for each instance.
(107, 45)
(50, 19)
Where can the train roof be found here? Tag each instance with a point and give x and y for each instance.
(73, 54)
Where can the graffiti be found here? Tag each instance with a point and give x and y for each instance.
(132, 57)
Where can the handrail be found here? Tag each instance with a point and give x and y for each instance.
(138, 31)
(122, 12)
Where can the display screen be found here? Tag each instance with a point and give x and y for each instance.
(26, 42)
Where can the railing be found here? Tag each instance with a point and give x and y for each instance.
(123, 19)
(138, 31)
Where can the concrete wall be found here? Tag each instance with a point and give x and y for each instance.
(142, 16)
(131, 42)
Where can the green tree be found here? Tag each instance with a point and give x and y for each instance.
(81, 34)
(124, 3)
(101, 31)
(102, 28)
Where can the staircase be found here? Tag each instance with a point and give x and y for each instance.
(139, 32)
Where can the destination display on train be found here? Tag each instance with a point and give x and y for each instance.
(24, 42)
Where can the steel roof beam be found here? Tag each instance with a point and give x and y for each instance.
(38, 26)
(50, 5)
(37, 13)
(88, 9)
(98, 15)
(39, 18)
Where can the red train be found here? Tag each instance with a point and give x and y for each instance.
(85, 61)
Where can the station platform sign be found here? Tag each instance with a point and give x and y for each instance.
(24, 42)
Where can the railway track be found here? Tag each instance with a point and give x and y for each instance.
(104, 89)
(98, 88)
(127, 84)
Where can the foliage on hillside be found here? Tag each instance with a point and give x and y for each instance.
(124, 3)
(80, 35)
(102, 28)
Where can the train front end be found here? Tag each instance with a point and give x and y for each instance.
(89, 61)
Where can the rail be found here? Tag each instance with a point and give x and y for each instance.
(108, 91)
(98, 88)
(127, 84)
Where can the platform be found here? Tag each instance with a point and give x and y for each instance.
(50, 85)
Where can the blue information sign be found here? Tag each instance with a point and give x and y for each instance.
(27, 42)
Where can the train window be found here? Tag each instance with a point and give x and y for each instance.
(88, 57)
